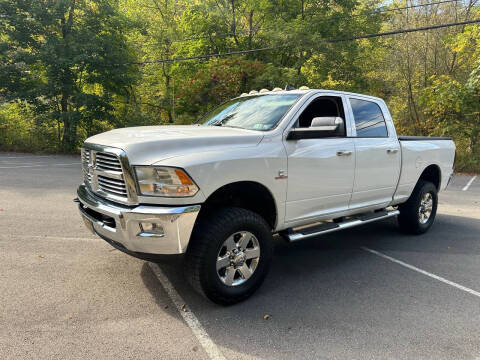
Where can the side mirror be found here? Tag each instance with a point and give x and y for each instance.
(332, 122)
(321, 127)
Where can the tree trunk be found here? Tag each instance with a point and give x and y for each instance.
(234, 24)
(69, 127)
(250, 29)
(167, 90)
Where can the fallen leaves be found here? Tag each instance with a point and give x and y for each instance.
(184, 308)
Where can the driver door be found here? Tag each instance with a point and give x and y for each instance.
(320, 170)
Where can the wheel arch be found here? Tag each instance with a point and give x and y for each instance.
(433, 174)
(250, 195)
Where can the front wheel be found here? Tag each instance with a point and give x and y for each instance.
(229, 255)
(418, 213)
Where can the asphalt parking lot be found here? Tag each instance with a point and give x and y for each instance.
(365, 293)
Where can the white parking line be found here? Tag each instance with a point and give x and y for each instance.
(465, 188)
(207, 343)
(44, 165)
(41, 237)
(24, 156)
(15, 163)
(433, 276)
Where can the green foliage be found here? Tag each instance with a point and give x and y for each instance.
(451, 103)
(67, 67)
(66, 59)
(217, 82)
(21, 129)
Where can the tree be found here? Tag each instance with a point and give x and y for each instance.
(66, 59)
(64, 72)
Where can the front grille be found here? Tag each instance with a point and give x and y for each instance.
(85, 156)
(103, 174)
(112, 186)
(106, 161)
(87, 177)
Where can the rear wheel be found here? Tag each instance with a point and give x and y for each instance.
(229, 255)
(418, 213)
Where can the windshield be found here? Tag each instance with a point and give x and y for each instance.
(260, 112)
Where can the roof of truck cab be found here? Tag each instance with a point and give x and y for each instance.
(303, 92)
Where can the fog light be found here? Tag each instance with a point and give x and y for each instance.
(151, 229)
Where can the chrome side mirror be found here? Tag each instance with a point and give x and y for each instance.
(328, 123)
(321, 127)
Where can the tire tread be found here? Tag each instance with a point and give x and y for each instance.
(207, 229)
(408, 217)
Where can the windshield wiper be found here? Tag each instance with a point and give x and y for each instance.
(232, 126)
(223, 120)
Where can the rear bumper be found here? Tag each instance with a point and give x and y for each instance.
(120, 225)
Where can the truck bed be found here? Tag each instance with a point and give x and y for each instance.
(422, 138)
(418, 152)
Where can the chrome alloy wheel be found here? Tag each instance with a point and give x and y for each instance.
(238, 258)
(425, 209)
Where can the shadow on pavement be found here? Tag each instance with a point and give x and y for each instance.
(328, 298)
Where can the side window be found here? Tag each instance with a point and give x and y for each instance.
(323, 106)
(369, 120)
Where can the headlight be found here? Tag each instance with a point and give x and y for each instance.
(165, 181)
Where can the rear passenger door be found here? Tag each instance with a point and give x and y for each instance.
(377, 152)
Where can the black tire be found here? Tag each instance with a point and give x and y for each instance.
(208, 237)
(409, 219)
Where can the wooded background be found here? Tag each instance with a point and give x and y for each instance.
(73, 68)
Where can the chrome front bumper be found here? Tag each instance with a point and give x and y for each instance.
(120, 225)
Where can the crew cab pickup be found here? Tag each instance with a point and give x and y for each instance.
(296, 163)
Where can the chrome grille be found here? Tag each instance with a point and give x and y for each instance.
(87, 177)
(85, 156)
(112, 186)
(106, 161)
(103, 174)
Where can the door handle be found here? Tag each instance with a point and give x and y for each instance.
(344, 153)
(392, 151)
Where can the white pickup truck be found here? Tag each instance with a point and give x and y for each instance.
(296, 163)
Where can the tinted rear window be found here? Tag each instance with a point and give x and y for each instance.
(369, 120)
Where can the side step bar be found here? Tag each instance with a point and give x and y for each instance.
(305, 233)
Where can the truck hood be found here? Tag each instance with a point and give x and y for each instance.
(146, 145)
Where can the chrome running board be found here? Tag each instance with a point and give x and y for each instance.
(304, 233)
